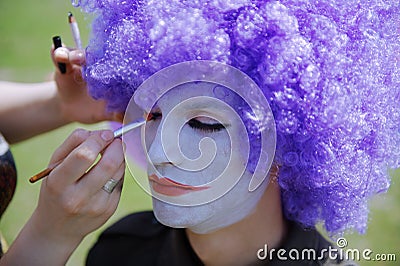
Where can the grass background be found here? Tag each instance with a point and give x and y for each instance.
(26, 28)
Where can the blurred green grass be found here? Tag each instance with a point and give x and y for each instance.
(26, 28)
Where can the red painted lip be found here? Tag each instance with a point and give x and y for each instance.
(168, 187)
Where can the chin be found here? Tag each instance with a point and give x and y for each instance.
(179, 216)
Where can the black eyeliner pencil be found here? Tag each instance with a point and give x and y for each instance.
(57, 43)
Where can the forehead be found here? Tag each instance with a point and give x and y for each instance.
(187, 91)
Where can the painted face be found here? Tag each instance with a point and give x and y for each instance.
(196, 150)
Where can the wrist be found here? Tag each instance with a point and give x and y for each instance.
(57, 105)
(52, 232)
(50, 238)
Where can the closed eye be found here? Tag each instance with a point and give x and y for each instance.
(193, 123)
(213, 127)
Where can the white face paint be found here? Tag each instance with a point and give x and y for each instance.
(170, 182)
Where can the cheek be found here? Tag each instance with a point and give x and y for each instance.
(189, 142)
(226, 160)
(224, 146)
(240, 145)
(189, 145)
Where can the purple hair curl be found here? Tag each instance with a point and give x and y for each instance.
(329, 69)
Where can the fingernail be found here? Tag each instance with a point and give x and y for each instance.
(107, 135)
(61, 53)
(77, 56)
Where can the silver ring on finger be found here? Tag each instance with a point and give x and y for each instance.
(110, 186)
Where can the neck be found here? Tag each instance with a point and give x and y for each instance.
(238, 243)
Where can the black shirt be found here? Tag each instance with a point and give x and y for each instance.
(139, 239)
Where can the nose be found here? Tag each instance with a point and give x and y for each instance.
(156, 152)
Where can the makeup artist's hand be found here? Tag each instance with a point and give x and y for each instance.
(75, 197)
(72, 202)
(75, 102)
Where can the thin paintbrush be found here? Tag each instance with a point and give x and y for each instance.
(117, 133)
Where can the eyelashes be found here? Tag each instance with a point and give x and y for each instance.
(196, 124)
(153, 116)
(193, 123)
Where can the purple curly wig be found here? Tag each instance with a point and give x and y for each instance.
(329, 69)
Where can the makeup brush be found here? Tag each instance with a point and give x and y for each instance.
(75, 30)
(117, 133)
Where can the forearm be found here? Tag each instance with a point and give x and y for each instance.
(28, 109)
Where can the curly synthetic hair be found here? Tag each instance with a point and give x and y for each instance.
(329, 69)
